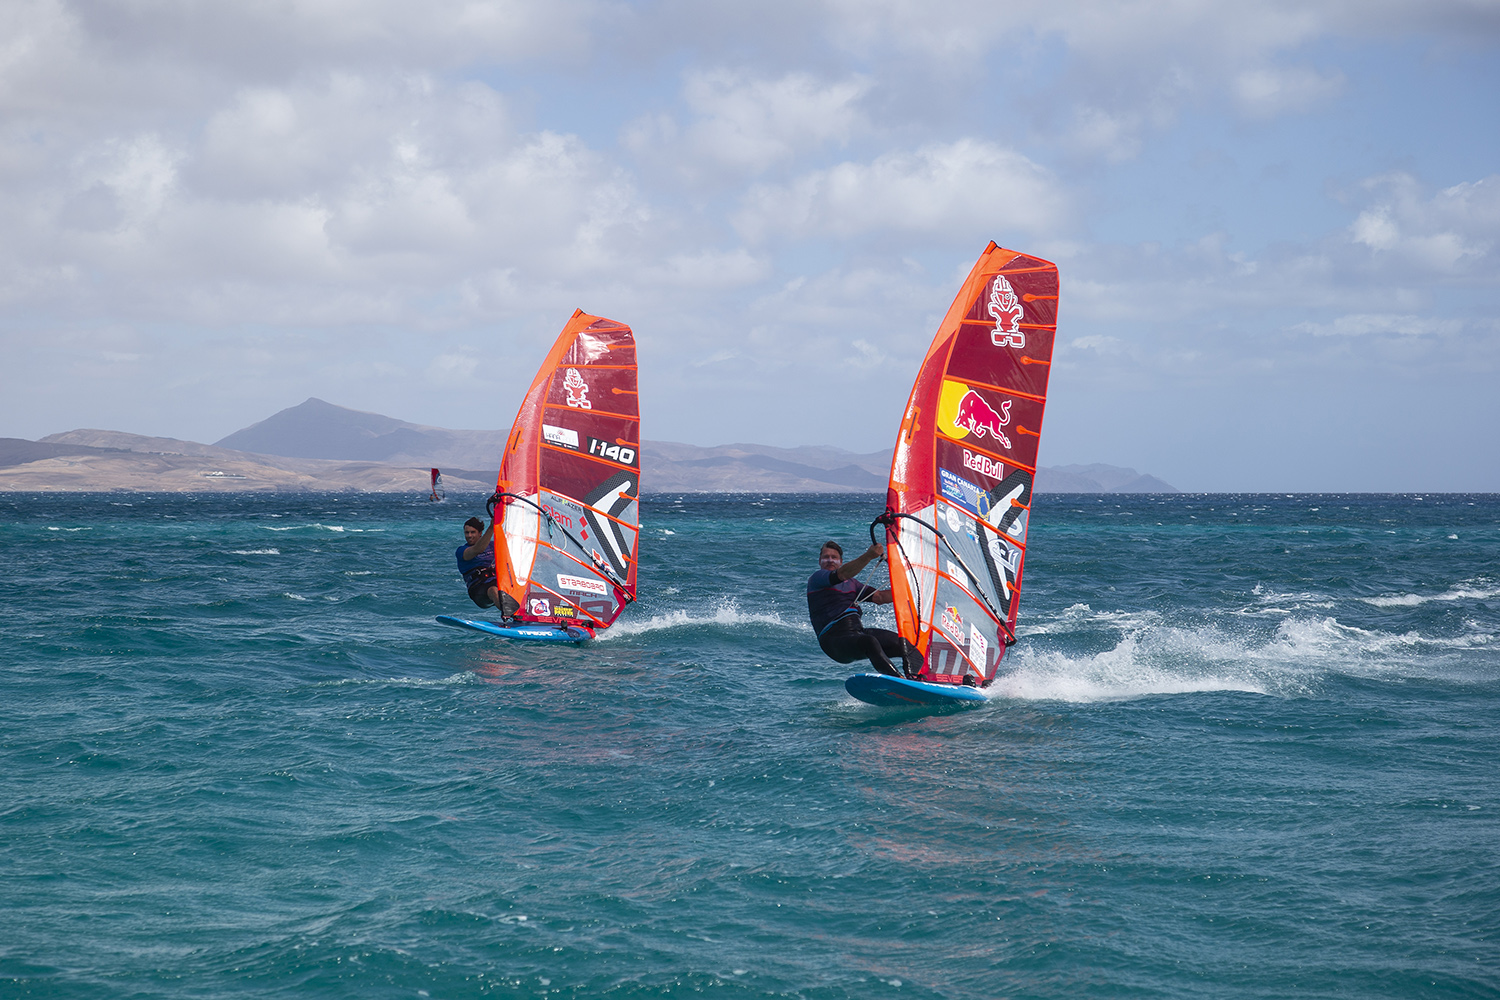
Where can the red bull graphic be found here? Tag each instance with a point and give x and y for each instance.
(983, 464)
(1007, 313)
(979, 418)
(577, 390)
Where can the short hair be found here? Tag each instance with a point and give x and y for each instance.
(835, 546)
(474, 523)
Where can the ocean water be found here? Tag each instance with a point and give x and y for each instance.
(1248, 746)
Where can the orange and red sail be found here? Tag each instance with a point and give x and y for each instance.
(961, 476)
(570, 481)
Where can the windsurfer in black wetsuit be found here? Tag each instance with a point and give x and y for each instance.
(476, 564)
(833, 598)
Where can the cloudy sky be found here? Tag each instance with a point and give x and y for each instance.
(1278, 224)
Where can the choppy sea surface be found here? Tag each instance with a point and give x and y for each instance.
(1247, 746)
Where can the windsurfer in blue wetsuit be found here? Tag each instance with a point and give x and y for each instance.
(833, 598)
(476, 564)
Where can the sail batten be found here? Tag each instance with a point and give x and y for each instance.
(569, 482)
(959, 497)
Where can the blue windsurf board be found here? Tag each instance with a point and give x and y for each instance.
(528, 632)
(898, 692)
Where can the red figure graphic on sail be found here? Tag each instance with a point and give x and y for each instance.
(577, 390)
(980, 418)
(1006, 311)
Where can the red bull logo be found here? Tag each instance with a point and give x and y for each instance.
(980, 418)
(1005, 309)
(983, 464)
(578, 390)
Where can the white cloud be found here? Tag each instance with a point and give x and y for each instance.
(1268, 91)
(1449, 232)
(752, 123)
(953, 189)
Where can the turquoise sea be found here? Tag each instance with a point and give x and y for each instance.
(1248, 746)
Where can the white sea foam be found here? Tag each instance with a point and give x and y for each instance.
(1159, 662)
(1152, 657)
(295, 597)
(725, 613)
(461, 678)
(1481, 589)
(335, 528)
(70, 529)
(255, 552)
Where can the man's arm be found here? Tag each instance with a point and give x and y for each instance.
(851, 569)
(485, 541)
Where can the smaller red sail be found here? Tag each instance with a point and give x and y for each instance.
(569, 482)
(959, 500)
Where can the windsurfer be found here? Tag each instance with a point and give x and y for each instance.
(476, 564)
(833, 598)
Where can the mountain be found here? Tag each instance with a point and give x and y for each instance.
(317, 445)
(318, 429)
(1097, 479)
(97, 460)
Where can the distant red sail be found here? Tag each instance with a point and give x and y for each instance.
(570, 481)
(961, 475)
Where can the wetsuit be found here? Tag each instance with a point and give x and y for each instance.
(478, 574)
(832, 604)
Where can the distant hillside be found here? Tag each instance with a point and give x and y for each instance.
(317, 429)
(1097, 479)
(19, 451)
(97, 460)
(317, 445)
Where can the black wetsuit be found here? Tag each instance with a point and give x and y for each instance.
(478, 574)
(833, 606)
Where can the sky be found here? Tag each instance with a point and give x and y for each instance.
(1277, 224)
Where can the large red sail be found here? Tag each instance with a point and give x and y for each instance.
(570, 481)
(961, 477)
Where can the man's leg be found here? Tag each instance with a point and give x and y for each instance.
(892, 645)
(846, 647)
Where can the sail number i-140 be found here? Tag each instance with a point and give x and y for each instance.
(613, 451)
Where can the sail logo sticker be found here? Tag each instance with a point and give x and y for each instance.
(953, 622)
(960, 491)
(979, 418)
(578, 390)
(983, 464)
(978, 648)
(581, 584)
(1005, 310)
(563, 437)
(955, 519)
(540, 606)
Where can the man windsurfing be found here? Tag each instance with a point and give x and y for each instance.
(833, 598)
(476, 564)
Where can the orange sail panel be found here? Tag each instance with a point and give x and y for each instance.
(960, 487)
(570, 481)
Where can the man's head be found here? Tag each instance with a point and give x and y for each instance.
(473, 528)
(830, 556)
